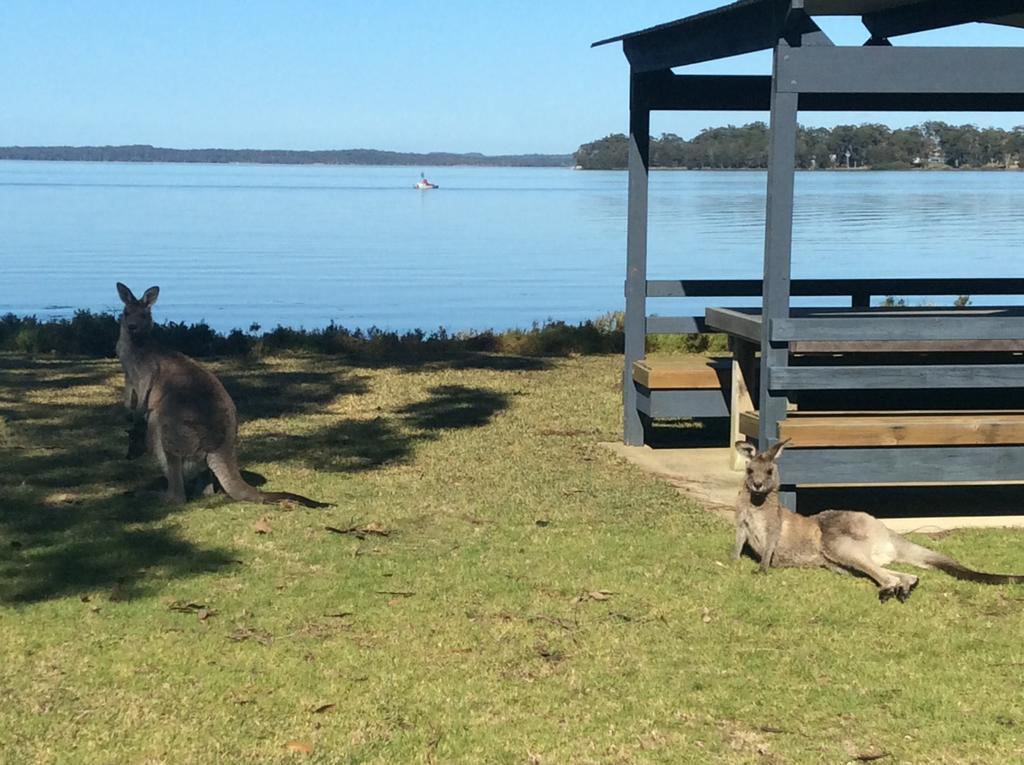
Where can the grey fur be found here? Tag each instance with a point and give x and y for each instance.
(843, 541)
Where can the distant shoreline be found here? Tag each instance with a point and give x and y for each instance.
(151, 154)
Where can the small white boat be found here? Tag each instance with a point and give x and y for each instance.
(424, 183)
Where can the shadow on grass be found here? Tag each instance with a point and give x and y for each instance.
(259, 392)
(69, 523)
(353, 446)
(65, 527)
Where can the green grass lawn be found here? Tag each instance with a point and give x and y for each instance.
(519, 595)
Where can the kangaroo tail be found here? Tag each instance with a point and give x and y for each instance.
(921, 556)
(955, 568)
(225, 467)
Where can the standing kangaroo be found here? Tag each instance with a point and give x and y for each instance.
(187, 420)
(843, 541)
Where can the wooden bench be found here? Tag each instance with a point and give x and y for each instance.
(677, 387)
(639, 325)
(883, 429)
(899, 447)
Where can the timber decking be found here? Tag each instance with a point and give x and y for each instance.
(899, 429)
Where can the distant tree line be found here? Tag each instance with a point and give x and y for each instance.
(145, 153)
(931, 144)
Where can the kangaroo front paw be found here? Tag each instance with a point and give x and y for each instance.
(887, 592)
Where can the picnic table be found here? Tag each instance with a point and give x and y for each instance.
(883, 395)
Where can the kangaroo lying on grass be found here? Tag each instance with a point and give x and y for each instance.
(843, 541)
(187, 419)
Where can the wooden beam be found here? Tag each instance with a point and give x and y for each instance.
(677, 288)
(844, 429)
(636, 256)
(778, 241)
(676, 325)
(719, 92)
(735, 322)
(707, 36)
(936, 14)
(744, 380)
(968, 71)
(902, 464)
(923, 376)
(862, 327)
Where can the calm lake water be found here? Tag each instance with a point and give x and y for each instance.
(492, 248)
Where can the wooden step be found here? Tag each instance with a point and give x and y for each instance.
(921, 428)
(683, 372)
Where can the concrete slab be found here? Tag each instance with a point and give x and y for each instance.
(704, 475)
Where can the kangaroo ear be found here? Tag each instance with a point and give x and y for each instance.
(150, 295)
(745, 450)
(125, 294)
(776, 450)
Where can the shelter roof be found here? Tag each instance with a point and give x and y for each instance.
(746, 26)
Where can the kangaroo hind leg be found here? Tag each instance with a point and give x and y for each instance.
(855, 555)
(175, 479)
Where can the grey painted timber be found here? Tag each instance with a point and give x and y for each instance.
(680, 404)
(806, 467)
(730, 92)
(734, 322)
(778, 242)
(923, 376)
(935, 14)
(967, 326)
(674, 288)
(973, 71)
(636, 257)
(675, 325)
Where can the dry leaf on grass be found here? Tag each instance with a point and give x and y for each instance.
(262, 526)
(322, 708)
(299, 747)
(246, 633)
(593, 595)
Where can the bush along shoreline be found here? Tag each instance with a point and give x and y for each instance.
(94, 335)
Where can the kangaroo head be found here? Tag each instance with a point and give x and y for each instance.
(137, 317)
(138, 424)
(762, 469)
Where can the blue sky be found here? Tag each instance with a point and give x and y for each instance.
(493, 76)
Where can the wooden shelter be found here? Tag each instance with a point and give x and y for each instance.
(949, 365)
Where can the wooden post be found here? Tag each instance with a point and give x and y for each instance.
(740, 401)
(636, 255)
(778, 241)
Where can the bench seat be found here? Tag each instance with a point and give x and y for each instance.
(895, 428)
(678, 387)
